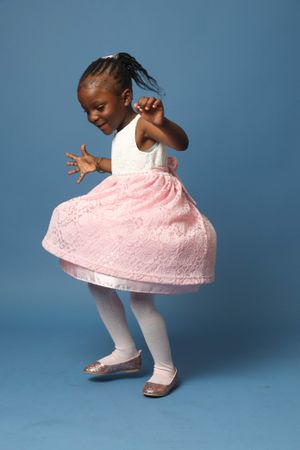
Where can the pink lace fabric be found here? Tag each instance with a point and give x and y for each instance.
(142, 227)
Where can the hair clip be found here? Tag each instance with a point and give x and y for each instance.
(108, 56)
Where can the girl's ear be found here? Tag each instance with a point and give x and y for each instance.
(127, 96)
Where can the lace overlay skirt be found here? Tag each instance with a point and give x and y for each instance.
(139, 232)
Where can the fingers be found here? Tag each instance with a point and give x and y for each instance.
(84, 150)
(157, 103)
(80, 178)
(77, 159)
(150, 103)
(72, 163)
(147, 103)
(70, 172)
(70, 155)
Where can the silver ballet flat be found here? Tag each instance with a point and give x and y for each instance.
(160, 390)
(131, 365)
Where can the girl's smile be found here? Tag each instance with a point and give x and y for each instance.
(105, 110)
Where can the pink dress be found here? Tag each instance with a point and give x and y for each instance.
(137, 230)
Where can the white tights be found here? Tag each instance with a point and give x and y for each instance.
(152, 324)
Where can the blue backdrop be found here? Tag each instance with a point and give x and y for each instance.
(230, 70)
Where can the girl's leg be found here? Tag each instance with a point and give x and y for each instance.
(112, 312)
(154, 330)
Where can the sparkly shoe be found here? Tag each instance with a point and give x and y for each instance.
(98, 368)
(159, 390)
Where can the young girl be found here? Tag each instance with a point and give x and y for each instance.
(139, 229)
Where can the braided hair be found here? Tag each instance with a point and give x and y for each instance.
(123, 68)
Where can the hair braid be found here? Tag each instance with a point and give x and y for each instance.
(122, 68)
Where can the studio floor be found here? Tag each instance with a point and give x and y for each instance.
(237, 391)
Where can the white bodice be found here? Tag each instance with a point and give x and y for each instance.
(127, 158)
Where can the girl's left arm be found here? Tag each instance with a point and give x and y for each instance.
(157, 127)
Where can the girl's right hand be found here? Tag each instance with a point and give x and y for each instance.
(85, 163)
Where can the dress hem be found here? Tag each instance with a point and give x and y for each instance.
(52, 249)
(125, 288)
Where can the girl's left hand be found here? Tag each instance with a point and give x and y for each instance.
(151, 109)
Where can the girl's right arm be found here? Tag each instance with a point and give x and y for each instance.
(87, 163)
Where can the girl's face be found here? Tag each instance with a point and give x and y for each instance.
(104, 109)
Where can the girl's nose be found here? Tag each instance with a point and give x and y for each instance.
(93, 117)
